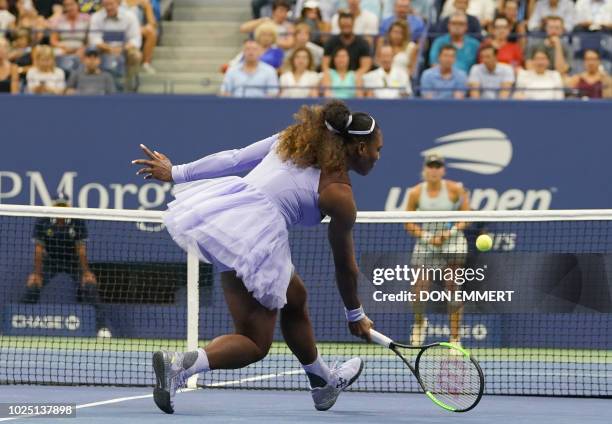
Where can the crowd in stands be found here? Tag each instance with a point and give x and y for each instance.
(437, 49)
(76, 46)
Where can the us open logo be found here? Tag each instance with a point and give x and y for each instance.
(483, 151)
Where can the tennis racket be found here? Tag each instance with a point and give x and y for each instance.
(448, 374)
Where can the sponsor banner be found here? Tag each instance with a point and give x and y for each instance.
(48, 320)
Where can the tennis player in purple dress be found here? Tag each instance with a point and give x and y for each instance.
(240, 225)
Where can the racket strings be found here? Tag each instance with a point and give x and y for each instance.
(449, 376)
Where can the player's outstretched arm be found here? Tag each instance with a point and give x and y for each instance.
(337, 202)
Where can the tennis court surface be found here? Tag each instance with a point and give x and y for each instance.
(546, 355)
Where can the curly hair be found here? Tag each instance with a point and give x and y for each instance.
(309, 141)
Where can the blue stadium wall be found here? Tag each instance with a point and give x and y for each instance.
(511, 155)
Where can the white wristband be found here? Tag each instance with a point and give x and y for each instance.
(354, 315)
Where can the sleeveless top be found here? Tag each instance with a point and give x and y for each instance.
(592, 91)
(441, 202)
(343, 88)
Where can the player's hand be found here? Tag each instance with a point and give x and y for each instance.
(89, 278)
(361, 328)
(158, 166)
(34, 280)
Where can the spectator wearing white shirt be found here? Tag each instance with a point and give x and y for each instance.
(365, 23)
(300, 80)
(115, 32)
(545, 8)
(388, 81)
(540, 83)
(7, 19)
(490, 79)
(484, 10)
(44, 77)
(594, 15)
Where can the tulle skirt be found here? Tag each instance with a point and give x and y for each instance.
(234, 226)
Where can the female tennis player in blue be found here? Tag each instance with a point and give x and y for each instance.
(240, 224)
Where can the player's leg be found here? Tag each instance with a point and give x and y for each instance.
(326, 384)
(254, 330)
(455, 308)
(419, 326)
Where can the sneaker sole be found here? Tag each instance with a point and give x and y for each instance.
(161, 396)
(351, 381)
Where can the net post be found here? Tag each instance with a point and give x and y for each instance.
(193, 308)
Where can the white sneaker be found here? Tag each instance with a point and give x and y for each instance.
(342, 377)
(419, 331)
(104, 333)
(169, 377)
(147, 68)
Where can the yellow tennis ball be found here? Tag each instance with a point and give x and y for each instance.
(484, 242)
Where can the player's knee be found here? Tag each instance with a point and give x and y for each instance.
(297, 296)
(263, 349)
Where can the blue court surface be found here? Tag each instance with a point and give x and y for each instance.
(135, 405)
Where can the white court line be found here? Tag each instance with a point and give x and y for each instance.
(128, 398)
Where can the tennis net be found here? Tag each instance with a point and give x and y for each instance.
(539, 320)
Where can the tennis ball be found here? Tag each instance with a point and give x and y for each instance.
(484, 242)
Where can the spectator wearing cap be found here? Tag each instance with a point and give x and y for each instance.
(91, 80)
(357, 47)
(461, 6)
(594, 15)
(44, 77)
(403, 12)
(557, 50)
(490, 79)
(387, 81)
(365, 23)
(60, 248)
(444, 81)
(545, 8)
(115, 32)
(284, 28)
(300, 80)
(539, 82)
(311, 16)
(465, 45)
(251, 77)
(69, 36)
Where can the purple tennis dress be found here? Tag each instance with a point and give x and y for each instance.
(240, 223)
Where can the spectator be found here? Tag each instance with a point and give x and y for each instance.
(404, 50)
(444, 81)
(29, 19)
(357, 47)
(46, 7)
(148, 29)
(302, 39)
(473, 24)
(518, 28)
(483, 10)
(44, 77)
(388, 81)
(21, 50)
(284, 28)
(557, 50)
(91, 80)
(265, 35)
(590, 83)
(545, 8)
(507, 51)
(300, 80)
(403, 12)
(364, 22)
(465, 45)
(340, 81)
(69, 36)
(594, 15)
(9, 75)
(427, 9)
(490, 79)
(7, 19)
(328, 8)
(116, 33)
(311, 16)
(539, 83)
(251, 77)
(59, 248)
